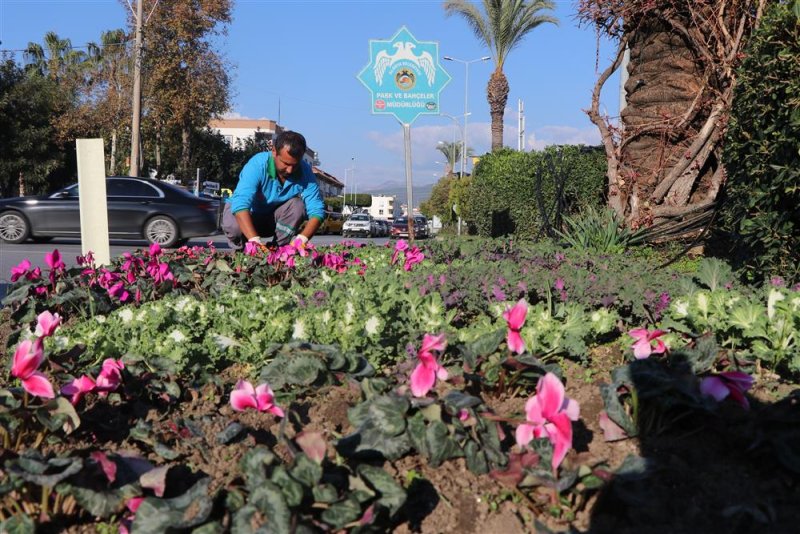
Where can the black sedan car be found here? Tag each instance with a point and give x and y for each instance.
(137, 208)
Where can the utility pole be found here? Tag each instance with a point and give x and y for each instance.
(521, 124)
(137, 92)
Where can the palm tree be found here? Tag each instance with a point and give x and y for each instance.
(452, 152)
(55, 59)
(501, 27)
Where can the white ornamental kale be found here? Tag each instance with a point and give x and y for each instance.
(177, 336)
(126, 314)
(371, 326)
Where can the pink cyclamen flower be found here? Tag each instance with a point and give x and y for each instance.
(47, 323)
(428, 370)
(78, 387)
(643, 347)
(155, 250)
(20, 270)
(251, 248)
(53, 260)
(260, 398)
(413, 256)
(401, 246)
(110, 376)
(27, 359)
(515, 317)
(728, 383)
(548, 414)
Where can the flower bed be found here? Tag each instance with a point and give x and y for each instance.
(374, 389)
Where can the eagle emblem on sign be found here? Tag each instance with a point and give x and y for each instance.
(404, 52)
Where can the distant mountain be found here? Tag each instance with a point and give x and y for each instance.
(398, 189)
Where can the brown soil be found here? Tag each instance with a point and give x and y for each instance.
(705, 474)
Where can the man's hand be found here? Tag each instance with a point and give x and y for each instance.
(300, 242)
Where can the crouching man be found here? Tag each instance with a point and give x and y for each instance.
(276, 192)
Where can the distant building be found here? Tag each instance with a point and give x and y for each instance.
(329, 185)
(237, 131)
(384, 207)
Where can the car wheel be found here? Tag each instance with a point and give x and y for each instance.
(14, 227)
(161, 230)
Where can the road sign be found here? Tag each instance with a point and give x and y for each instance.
(404, 77)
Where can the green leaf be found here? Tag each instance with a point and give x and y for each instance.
(59, 413)
(325, 493)
(440, 444)
(306, 470)
(269, 500)
(342, 513)
(32, 467)
(615, 410)
(185, 511)
(292, 489)
(253, 465)
(476, 459)
(18, 524)
(223, 266)
(100, 504)
(388, 414)
(392, 494)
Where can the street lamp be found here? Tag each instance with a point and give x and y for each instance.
(466, 109)
(458, 126)
(349, 169)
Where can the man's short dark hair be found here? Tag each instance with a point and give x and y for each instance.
(293, 142)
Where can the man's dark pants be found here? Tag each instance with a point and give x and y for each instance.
(282, 224)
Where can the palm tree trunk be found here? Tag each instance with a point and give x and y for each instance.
(497, 94)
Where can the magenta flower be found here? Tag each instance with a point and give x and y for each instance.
(20, 270)
(643, 347)
(78, 387)
(155, 250)
(401, 246)
(428, 370)
(27, 359)
(413, 256)
(251, 248)
(728, 383)
(47, 324)
(548, 414)
(515, 317)
(110, 376)
(53, 260)
(118, 290)
(261, 398)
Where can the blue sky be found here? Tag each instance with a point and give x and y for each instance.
(302, 57)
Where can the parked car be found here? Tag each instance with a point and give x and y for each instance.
(400, 227)
(138, 208)
(332, 224)
(385, 226)
(359, 224)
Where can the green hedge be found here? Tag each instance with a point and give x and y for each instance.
(762, 150)
(503, 197)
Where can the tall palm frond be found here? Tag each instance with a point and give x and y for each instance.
(501, 27)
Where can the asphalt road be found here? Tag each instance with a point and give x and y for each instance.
(12, 255)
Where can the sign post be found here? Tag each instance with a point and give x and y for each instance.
(404, 79)
(92, 199)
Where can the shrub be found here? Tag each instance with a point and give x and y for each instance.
(525, 193)
(761, 150)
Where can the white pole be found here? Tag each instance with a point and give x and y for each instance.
(466, 95)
